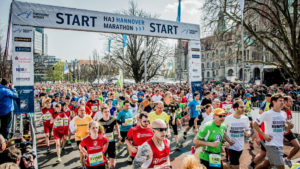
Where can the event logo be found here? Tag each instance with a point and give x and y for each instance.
(20, 39)
(196, 56)
(23, 49)
(19, 30)
(139, 28)
(21, 69)
(189, 31)
(195, 70)
(23, 78)
(25, 13)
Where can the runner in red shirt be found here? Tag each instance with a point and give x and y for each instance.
(227, 105)
(154, 153)
(67, 111)
(93, 104)
(46, 118)
(94, 147)
(59, 129)
(138, 135)
(87, 109)
(288, 102)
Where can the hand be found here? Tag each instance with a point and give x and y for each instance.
(169, 135)
(247, 134)
(120, 137)
(214, 144)
(134, 149)
(173, 122)
(257, 140)
(196, 130)
(268, 138)
(11, 86)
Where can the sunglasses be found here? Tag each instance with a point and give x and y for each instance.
(161, 129)
(222, 116)
(146, 121)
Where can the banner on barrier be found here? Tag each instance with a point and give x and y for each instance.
(22, 65)
(47, 16)
(195, 74)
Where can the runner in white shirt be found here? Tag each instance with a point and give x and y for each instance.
(157, 97)
(189, 96)
(238, 126)
(207, 115)
(275, 125)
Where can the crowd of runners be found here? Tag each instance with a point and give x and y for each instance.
(144, 119)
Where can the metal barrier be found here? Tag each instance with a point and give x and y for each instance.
(33, 138)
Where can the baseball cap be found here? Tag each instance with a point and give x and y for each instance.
(219, 111)
(134, 97)
(248, 95)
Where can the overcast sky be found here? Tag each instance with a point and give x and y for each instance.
(69, 45)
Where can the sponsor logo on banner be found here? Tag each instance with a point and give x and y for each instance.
(35, 15)
(20, 39)
(20, 30)
(196, 56)
(195, 49)
(196, 64)
(195, 77)
(23, 79)
(23, 49)
(23, 60)
(24, 70)
(195, 70)
(189, 31)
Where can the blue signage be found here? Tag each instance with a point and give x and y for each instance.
(25, 102)
(197, 87)
(23, 49)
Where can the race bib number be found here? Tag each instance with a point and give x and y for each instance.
(110, 136)
(58, 123)
(198, 107)
(214, 160)
(96, 159)
(134, 120)
(94, 108)
(129, 121)
(66, 123)
(47, 117)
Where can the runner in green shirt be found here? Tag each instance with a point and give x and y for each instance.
(210, 137)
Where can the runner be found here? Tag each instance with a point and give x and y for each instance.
(58, 119)
(288, 102)
(157, 97)
(134, 108)
(125, 119)
(238, 127)
(160, 114)
(46, 117)
(93, 103)
(227, 105)
(79, 127)
(154, 153)
(193, 110)
(248, 113)
(138, 135)
(210, 137)
(275, 125)
(94, 147)
(150, 106)
(110, 123)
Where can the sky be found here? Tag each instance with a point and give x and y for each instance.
(68, 45)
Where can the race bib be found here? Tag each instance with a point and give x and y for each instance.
(129, 121)
(110, 136)
(94, 108)
(96, 158)
(134, 120)
(215, 160)
(66, 123)
(47, 117)
(58, 123)
(198, 107)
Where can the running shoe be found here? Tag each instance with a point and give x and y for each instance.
(58, 160)
(288, 162)
(178, 145)
(193, 150)
(129, 159)
(184, 135)
(48, 149)
(69, 142)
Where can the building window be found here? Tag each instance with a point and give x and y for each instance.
(207, 74)
(230, 72)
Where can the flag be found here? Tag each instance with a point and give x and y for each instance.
(179, 12)
(120, 79)
(242, 3)
(124, 44)
(75, 64)
(109, 43)
(66, 68)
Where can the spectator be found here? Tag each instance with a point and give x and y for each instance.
(11, 155)
(7, 94)
(191, 162)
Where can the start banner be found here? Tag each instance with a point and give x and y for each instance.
(46, 16)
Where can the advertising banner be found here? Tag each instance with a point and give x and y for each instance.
(22, 65)
(46, 16)
(195, 66)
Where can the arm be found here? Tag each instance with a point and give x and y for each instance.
(226, 138)
(198, 142)
(105, 147)
(256, 128)
(144, 153)
(83, 151)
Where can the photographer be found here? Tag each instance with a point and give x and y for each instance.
(7, 94)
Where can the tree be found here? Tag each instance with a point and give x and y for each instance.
(273, 24)
(133, 62)
(57, 74)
